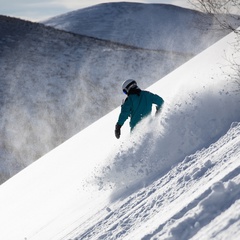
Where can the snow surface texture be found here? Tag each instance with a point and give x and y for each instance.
(176, 177)
(54, 84)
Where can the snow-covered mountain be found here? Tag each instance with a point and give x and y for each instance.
(176, 177)
(55, 83)
(152, 26)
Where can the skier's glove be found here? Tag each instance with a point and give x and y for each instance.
(118, 130)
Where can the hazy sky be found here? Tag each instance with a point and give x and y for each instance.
(37, 10)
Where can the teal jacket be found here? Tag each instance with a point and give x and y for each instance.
(138, 106)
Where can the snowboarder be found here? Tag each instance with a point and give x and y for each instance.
(137, 105)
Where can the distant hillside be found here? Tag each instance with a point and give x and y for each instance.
(153, 26)
(53, 84)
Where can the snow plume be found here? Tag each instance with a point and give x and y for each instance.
(161, 143)
(28, 132)
(196, 115)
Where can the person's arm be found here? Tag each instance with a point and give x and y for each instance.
(124, 114)
(158, 101)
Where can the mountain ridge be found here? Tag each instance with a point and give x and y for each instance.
(107, 21)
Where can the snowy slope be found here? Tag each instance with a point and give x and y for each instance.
(153, 26)
(182, 203)
(177, 177)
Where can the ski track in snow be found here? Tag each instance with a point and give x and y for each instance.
(195, 192)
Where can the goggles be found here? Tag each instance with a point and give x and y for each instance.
(128, 87)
